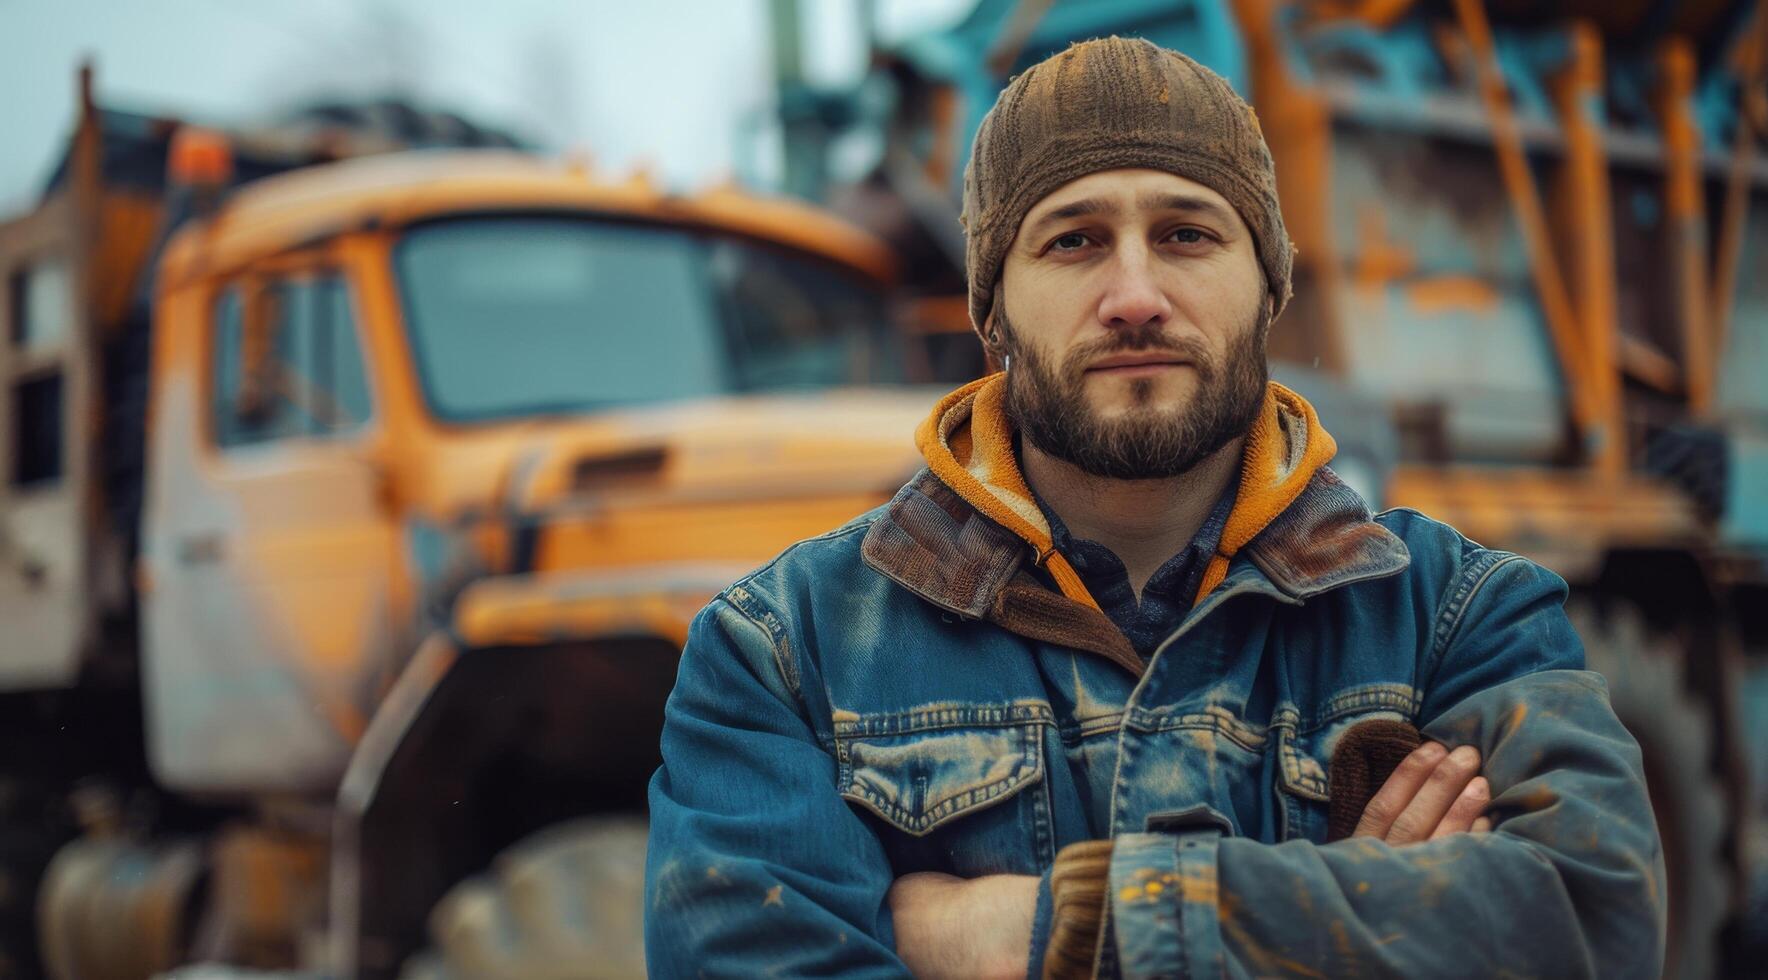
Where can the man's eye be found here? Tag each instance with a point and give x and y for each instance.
(1074, 240)
(1190, 236)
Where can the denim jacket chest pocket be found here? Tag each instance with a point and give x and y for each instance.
(952, 788)
(1304, 749)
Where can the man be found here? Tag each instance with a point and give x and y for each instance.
(1102, 688)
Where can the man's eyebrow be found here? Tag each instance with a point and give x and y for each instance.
(1080, 208)
(1186, 202)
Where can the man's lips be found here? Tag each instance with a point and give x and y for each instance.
(1141, 363)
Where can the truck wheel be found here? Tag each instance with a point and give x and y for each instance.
(1644, 672)
(567, 902)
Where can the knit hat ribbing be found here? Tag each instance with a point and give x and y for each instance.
(1109, 103)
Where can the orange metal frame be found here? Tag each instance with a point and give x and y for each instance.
(1589, 234)
(1296, 122)
(1572, 265)
(1687, 216)
(1587, 394)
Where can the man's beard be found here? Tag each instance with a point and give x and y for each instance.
(1049, 404)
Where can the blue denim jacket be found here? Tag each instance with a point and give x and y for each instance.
(901, 694)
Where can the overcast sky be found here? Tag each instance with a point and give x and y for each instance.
(670, 83)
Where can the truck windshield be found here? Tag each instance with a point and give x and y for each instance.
(514, 316)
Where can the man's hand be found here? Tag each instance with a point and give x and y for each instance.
(963, 927)
(1432, 793)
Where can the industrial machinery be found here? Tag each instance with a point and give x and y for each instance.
(1529, 301)
(354, 500)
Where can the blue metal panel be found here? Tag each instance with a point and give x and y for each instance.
(1746, 498)
(1743, 368)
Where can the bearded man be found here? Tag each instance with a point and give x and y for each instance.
(1117, 683)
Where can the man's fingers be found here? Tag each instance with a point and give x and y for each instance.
(1482, 825)
(1391, 800)
(1466, 809)
(1432, 801)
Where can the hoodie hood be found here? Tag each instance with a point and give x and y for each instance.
(968, 444)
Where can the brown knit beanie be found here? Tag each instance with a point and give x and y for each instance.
(1109, 103)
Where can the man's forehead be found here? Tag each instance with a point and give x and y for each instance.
(1127, 190)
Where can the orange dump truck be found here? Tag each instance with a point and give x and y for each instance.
(351, 519)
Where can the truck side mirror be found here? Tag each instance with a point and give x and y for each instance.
(260, 373)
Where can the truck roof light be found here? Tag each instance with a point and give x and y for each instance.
(200, 157)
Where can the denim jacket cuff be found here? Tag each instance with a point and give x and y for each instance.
(1164, 920)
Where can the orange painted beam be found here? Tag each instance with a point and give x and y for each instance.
(1588, 231)
(1673, 103)
(1375, 13)
(1297, 126)
(1519, 184)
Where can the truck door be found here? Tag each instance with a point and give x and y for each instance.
(46, 476)
(270, 544)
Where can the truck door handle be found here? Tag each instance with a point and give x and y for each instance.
(201, 549)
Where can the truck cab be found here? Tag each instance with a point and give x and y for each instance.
(379, 381)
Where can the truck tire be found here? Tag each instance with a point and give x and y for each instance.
(567, 902)
(1675, 733)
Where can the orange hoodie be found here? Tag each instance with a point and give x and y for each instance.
(968, 443)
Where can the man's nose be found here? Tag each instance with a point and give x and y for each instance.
(1132, 295)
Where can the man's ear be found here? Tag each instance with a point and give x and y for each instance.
(993, 344)
(994, 347)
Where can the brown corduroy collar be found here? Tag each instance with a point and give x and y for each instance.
(932, 542)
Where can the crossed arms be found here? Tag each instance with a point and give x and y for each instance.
(951, 927)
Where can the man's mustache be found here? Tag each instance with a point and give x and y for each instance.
(1147, 337)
